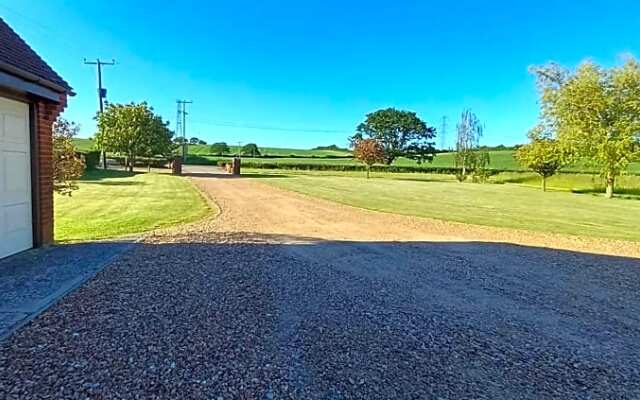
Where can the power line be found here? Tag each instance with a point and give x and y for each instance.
(267, 127)
(43, 31)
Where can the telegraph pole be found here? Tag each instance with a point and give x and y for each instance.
(102, 93)
(181, 125)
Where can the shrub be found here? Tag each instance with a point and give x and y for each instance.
(91, 159)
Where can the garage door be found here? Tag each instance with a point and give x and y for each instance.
(15, 178)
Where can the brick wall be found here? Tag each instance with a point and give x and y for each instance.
(45, 115)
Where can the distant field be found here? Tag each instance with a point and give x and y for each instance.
(508, 206)
(501, 160)
(204, 150)
(84, 144)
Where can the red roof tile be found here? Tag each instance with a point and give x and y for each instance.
(17, 53)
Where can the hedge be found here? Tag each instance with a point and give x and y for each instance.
(425, 168)
(91, 159)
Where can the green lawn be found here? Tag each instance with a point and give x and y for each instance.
(114, 203)
(507, 205)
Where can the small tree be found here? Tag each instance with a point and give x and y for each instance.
(250, 149)
(369, 151)
(468, 158)
(543, 155)
(67, 165)
(219, 149)
(129, 129)
(595, 113)
(401, 134)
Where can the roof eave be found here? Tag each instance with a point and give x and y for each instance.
(36, 79)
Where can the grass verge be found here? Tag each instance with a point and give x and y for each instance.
(112, 204)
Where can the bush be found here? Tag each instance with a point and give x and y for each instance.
(91, 159)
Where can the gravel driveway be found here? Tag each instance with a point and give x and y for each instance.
(257, 307)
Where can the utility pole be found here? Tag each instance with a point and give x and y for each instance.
(181, 125)
(443, 133)
(102, 94)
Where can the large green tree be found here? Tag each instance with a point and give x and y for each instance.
(132, 130)
(401, 134)
(595, 113)
(219, 149)
(250, 149)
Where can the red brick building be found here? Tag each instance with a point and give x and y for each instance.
(32, 95)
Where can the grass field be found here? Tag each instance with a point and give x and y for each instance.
(115, 203)
(84, 144)
(502, 160)
(204, 150)
(508, 205)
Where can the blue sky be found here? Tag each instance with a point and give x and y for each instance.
(304, 73)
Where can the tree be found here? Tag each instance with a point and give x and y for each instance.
(369, 151)
(469, 158)
(159, 142)
(220, 149)
(543, 155)
(131, 129)
(250, 149)
(401, 133)
(68, 166)
(195, 140)
(179, 140)
(594, 112)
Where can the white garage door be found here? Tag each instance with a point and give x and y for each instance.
(15, 178)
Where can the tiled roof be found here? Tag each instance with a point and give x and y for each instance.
(15, 52)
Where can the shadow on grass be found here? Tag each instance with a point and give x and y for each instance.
(114, 183)
(430, 179)
(222, 175)
(622, 193)
(101, 174)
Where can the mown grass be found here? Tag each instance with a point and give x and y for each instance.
(441, 197)
(112, 204)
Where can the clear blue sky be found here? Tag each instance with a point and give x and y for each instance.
(320, 66)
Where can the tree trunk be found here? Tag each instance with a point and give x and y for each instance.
(610, 185)
(132, 162)
(368, 169)
(104, 159)
(544, 183)
(149, 164)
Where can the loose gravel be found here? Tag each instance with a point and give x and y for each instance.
(206, 313)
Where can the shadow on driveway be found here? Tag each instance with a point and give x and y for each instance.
(33, 280)
(256, 316)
